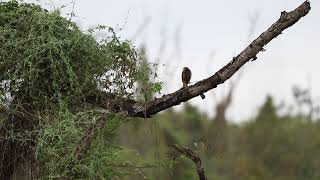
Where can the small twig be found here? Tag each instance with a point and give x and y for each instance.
(196, 159)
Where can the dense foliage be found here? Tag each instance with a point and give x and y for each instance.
(47, 58)
(48, 67)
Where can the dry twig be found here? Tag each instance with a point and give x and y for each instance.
(196, 159)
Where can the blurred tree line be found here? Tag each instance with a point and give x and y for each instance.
(280, 142)
(268, 146)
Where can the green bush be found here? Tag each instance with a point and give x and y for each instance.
(48, 66)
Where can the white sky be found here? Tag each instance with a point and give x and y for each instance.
(207, 26)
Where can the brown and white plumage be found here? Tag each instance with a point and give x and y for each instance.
(186, 76)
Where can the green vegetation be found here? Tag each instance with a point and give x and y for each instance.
(48, 66)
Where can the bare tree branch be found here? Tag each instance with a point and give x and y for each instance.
(196, 159)
(133, 108)
(147, 109)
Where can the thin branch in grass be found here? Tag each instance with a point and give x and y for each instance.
(88, 137)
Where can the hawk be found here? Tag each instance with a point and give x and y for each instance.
(186, 76)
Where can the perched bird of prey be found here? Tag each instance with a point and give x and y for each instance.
(186, 76)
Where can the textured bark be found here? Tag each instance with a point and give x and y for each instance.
(137, 109)
(196, 159)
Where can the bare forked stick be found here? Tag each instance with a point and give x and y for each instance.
(196, 159)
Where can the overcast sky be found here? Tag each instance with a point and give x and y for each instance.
(205, 34)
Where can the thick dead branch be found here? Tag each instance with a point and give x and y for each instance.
(196, 159)
(147, 109)
(132, 108)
